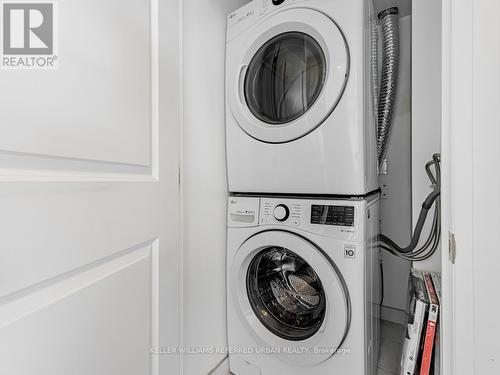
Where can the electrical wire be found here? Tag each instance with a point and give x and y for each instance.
(411, 252)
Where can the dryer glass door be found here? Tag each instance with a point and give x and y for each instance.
(286, 294)
(285, 78)
(286, 75)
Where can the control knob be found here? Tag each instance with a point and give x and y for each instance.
(281, 212)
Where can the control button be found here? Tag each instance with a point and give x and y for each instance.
(265, 220)
(278, 2)
(296, 223)
(281, 212)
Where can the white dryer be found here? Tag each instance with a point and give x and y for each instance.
(298, 116)
(303, 286)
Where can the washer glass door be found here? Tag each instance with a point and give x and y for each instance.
(286, 294)
(289, 293)
(285, 78)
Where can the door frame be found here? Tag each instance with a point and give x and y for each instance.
(457, 187)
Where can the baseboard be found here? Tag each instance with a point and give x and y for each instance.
(222, 368)
(393, 315)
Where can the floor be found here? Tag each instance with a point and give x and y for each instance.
(391, 346)
(390, 350)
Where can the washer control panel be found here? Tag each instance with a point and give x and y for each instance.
(332, 215)
(343, 219)
(243, 212)
(281, 212)
(276, 211)
(329, 217)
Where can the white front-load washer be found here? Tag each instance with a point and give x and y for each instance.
(303, 286)
(298, 116)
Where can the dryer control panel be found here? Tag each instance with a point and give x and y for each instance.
(250, 13)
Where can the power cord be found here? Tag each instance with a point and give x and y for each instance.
(431, 244)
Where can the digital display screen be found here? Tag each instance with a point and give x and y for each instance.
(332, 215)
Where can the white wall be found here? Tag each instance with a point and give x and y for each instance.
(426, 113)
(415, 138)
(396, 205)
(204, 179)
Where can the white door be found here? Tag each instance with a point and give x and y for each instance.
(89, 192)
(471, 186)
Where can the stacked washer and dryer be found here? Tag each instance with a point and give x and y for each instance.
(303, 275)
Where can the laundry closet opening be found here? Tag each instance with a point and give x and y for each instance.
(330, 143)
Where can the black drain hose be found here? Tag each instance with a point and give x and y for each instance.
(426, 206)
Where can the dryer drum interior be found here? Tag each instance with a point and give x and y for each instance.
(285, 78)
(286, 294)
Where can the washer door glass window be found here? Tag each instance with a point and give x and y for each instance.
(285, 78)
(286, 294)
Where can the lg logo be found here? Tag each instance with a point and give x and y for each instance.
(28, 29)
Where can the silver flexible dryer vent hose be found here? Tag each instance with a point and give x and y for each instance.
(374, 61)
(388, 86)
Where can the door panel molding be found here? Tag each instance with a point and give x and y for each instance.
(37, 297)
(69, 135)
(52, 323)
